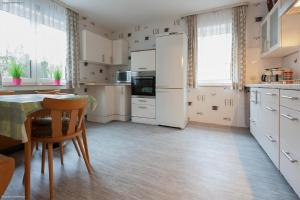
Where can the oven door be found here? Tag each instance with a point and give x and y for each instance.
(143, 86)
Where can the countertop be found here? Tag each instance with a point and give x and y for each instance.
(275, 86)
(106, 84)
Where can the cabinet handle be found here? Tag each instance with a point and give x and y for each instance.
(111, 59)
(102, 57)
(142, 68)
(270, 138)
(142, 107)
(270, 109)
(270, 94)
(289, 117)
(291, 98)
(143, 101)
(288, 155)
(253, 101)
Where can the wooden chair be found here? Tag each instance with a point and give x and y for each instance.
(43, 117)
(61, 129)
(7, 168)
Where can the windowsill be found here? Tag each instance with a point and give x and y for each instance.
(31, 86)
(214, 85)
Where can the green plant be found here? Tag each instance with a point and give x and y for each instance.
(15, 69)
(57, 74)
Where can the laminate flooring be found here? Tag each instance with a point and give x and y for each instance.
(143, 162)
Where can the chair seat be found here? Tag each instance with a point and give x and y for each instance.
(41, 127)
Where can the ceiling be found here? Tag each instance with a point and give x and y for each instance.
(118, 14)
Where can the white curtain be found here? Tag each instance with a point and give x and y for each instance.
(37, 11)
(214, 47)
(34, 31)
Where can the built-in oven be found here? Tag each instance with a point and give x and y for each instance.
(143, 84)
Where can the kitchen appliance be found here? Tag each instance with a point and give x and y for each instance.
(143, 84)
(171, 80)
(123, 76)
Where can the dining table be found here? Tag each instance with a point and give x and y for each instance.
(16, 118)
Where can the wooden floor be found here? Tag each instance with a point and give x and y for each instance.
(141, 162)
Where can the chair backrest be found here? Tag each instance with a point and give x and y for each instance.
(7, 92)
(59, 108)
(47, 91)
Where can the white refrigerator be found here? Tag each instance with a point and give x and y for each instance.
(171, 80)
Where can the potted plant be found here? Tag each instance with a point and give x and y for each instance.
(16, 71)
(57, 74)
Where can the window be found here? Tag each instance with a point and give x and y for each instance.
(33, 34)
(214, 48)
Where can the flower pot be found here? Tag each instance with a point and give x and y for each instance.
(56, 82)
(16, 81)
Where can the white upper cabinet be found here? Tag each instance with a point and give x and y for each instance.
(280, 31)
(120, 52)
(143, 60)
(98, 49)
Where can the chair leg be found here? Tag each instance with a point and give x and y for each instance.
(50, 162)
(84, 155)
(43, 157)
(61, 147)
(36, 146)
(32, 147)
(84, 139)
(76, 147)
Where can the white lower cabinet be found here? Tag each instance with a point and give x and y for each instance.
(289, 147)
(113, 103)
(275, 123)
(143, 110)
(264, 120)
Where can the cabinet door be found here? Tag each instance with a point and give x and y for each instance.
(264, 37)
(91, 47)
(120, 52)
(108, 51)
(143, 61)
(274, 28)
(109, 100)
(122, 100)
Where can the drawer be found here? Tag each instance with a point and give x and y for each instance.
(269, 119)
(271, 146)
(289, 129)
(290, 99)
(290, 167)
(143, 101)
(142, 110)
(269, 96)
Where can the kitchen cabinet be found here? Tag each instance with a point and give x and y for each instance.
(264, 120)
(143, 60)
(143, 110)
(108, 51)
(280, 31)
(120, 52)
(98, 49)
(289, 146)
(113, 103)
(275, 123)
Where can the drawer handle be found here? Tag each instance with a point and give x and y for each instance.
(142, 68)
(270, 94)
(142, 107)
(253, 101)
(289, 117)
(270, 109)
(270, 138)
(142, 101)
(291, 98)
(288, 155)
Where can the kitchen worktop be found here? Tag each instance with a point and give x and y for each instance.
(106, 84)
(275, 86)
